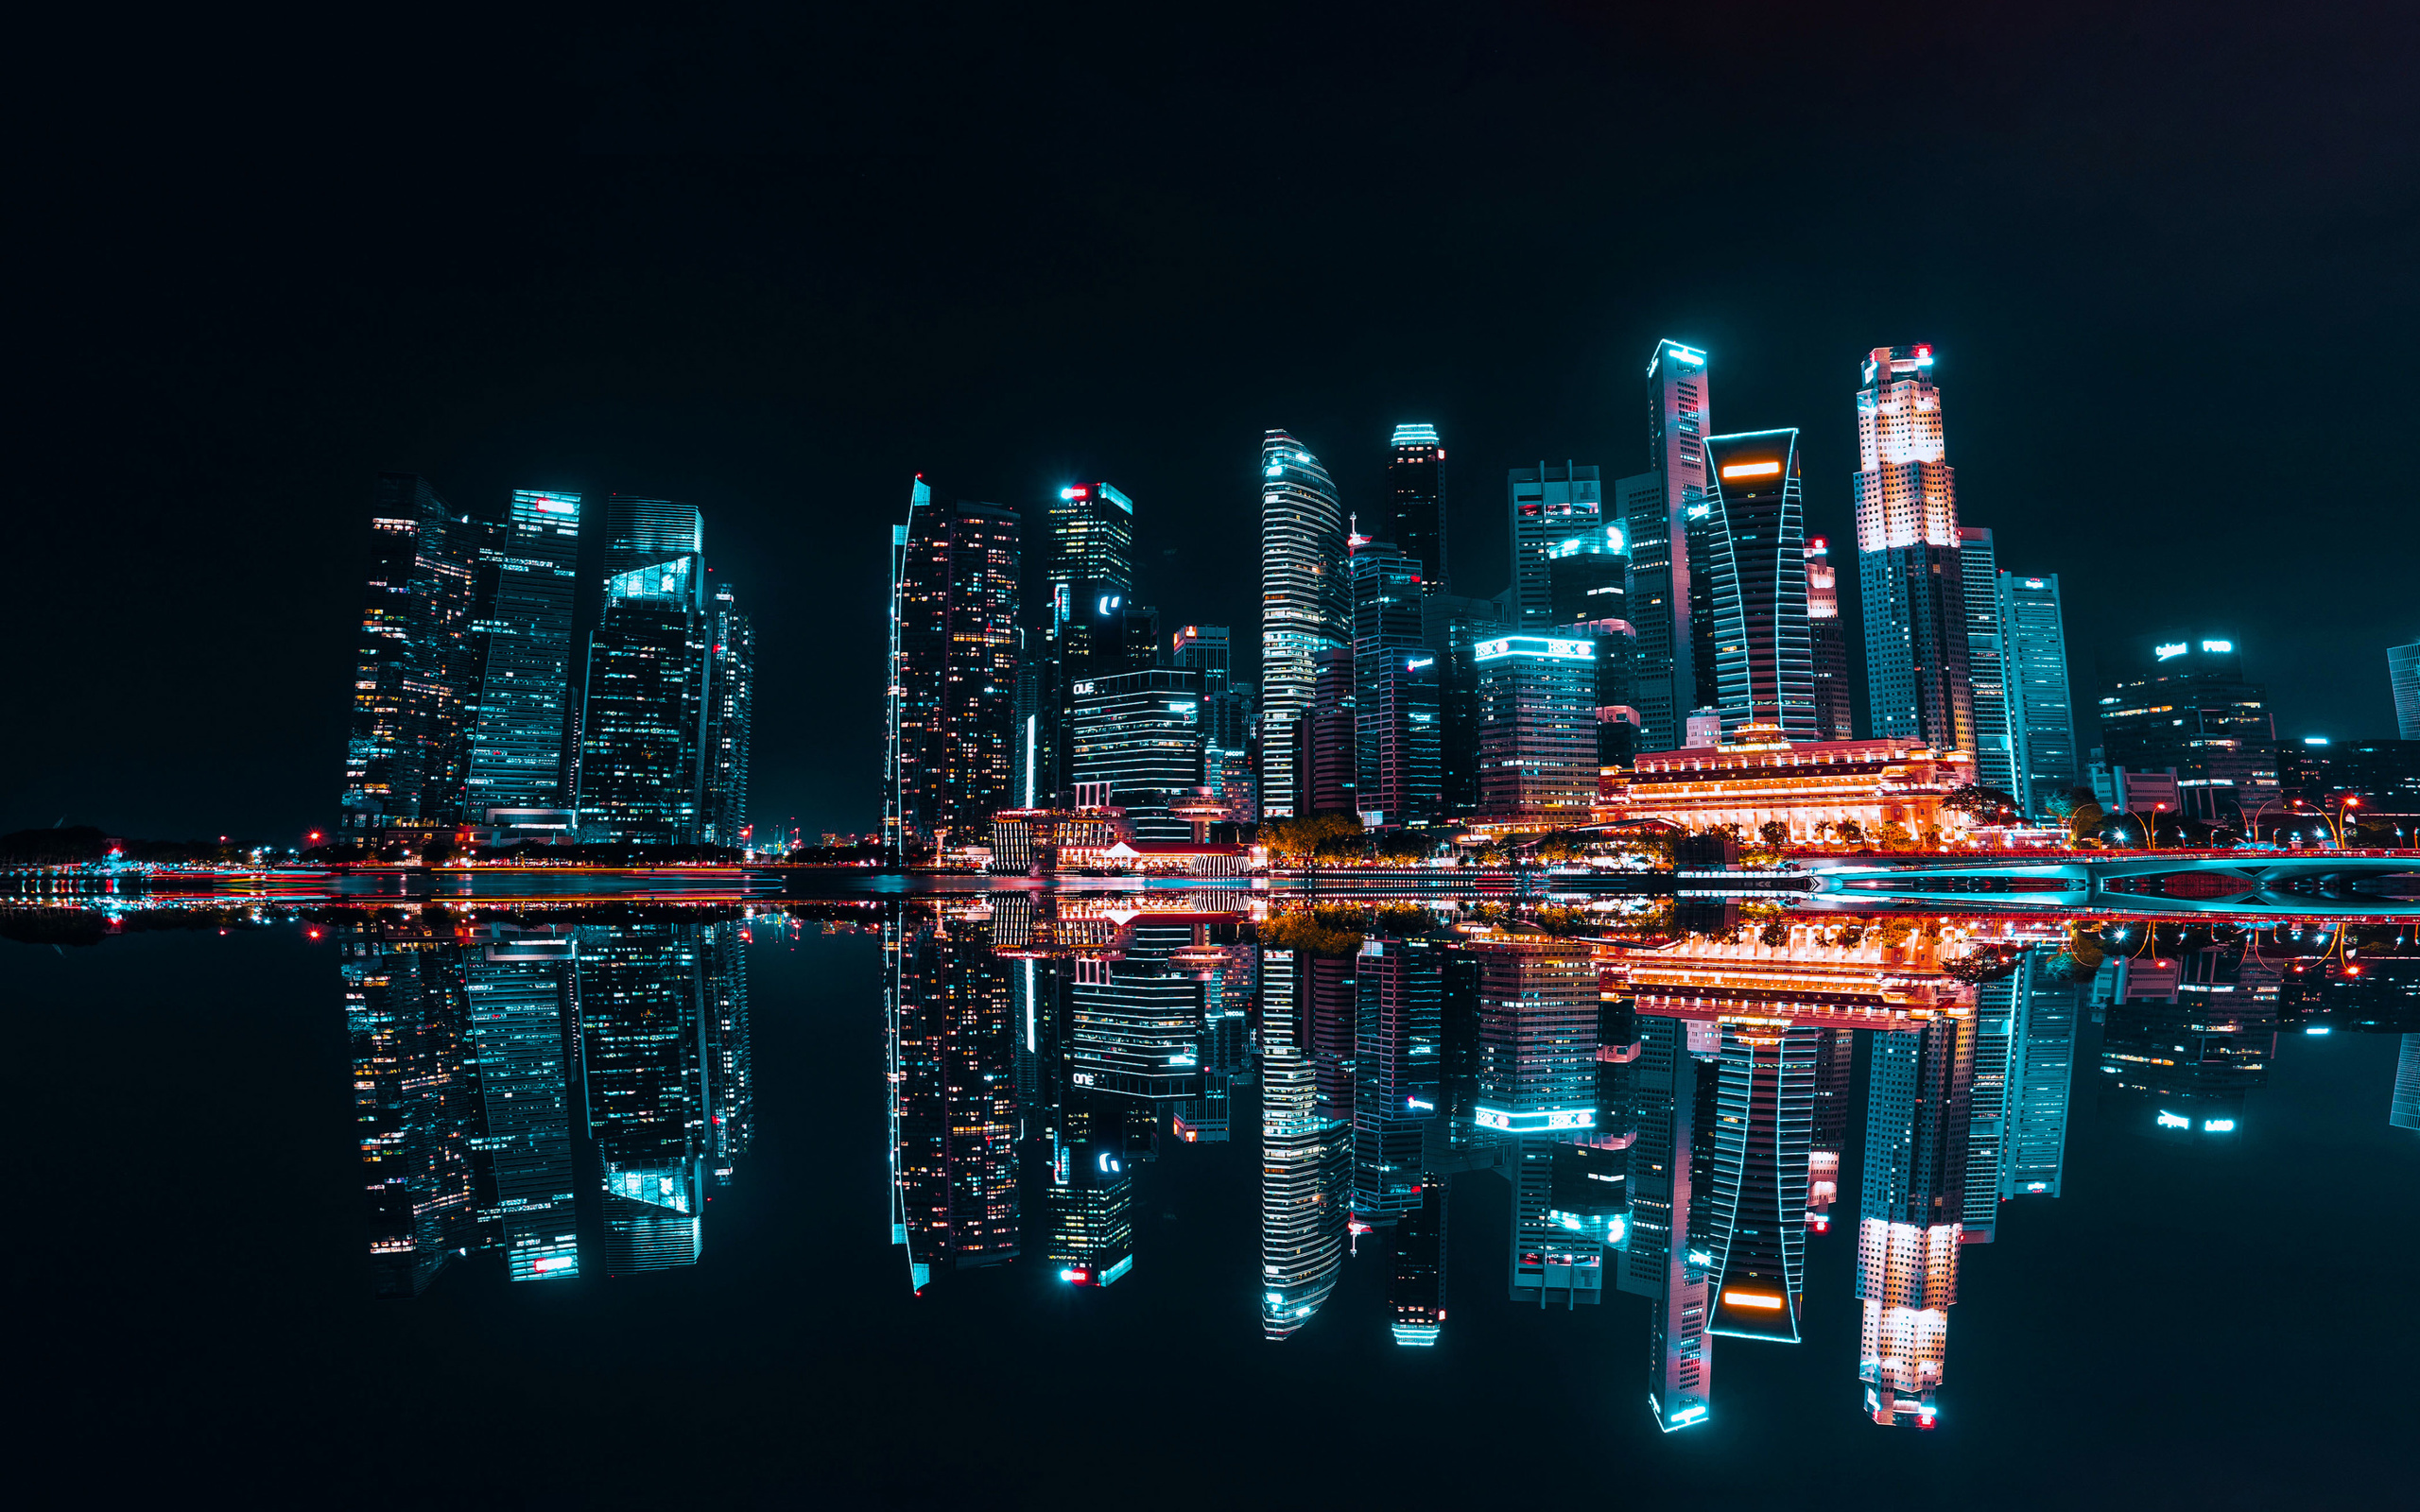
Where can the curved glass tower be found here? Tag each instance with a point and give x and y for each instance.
(1303, 601)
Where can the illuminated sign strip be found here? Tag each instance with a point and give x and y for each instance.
(1751, 469)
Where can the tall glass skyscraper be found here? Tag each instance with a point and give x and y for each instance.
(952, 1045)
(1655, 508)
(1911, 1209)
(1755, 1229)
(953, 672)
(1827, 641)
(2042, 1062)
(1398, 992)
(1911, 581)
(1754, 565)
(1305, 609)
(415, 671)
(1416, 521)
(521, 984)
(1537, 727)
(1548, 505)
(1394, 690)
(731, 711)
(518, 751)
(2041, 714)
(1141, 733)
(1671, 1175)
(1305, 1163)
(643, 1031)
(1986, 662)
(642, 758)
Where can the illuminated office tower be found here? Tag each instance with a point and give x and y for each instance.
(643, 1035)
(1399, 989)
(1415, 522)
(1326, 740)
(415, 666)
(1303, 1161)
(1396, 712)
(1549, 505)
(518, 757)
(1135, 1036)
(2188, 703)
(1987, 666)
(1665, 1261)
(1537, 728)
(1140, 732)
(1654, 509)
(1416, 1286)
(731, 710)
(2041, 717)
(730, 1066)
(1827, 644)
(2403, 679)
(643, 752)
(2041, 1069)
(416, 1108)
(2403, 1111)
(2186, 1039)
(519, 984)
(1910, 1209)
(1305, 609)
(1090, 574)
(1827, 1140)
(1909, 573)
(953, 672)
(1092, 1213)
(1751, 556)
(1998, 1006)
(1755, 1229)
(1208, 651)
(953, 1115)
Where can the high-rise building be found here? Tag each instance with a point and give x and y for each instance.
(1415, 524)
(1141, 733)
(1752, 527)
(1671, 1174)
(519, 771)
(1827, 1141)
(1090, 571)
(643, 756)
(520, 986)
(642, 1035)
(1416, 1286)
(2403, 1109)
(1305, 606)
(1655, 508)
(1326, 742)
(1205, 649)
(1908, 573)
(1911, 1207)
(416, 1107)
(1399, 988)
(1396, 710)
(1305, 1160)
(415, 671)
(2034, 670)
(1453, 628)
(1827, 644)
(954, 1117)
(2185, 703)
(2403, 678)
(1755, 1229)
(1549, 505)
(953, 672)
(731, 708)
(1537, 736)
(1092, 1213)
(2041, 1070)
(1987, 663)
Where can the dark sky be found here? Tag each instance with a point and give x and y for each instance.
(777, 263)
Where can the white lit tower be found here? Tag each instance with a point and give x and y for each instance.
(1907, 560)
(1910, 1212)
(1305, 607)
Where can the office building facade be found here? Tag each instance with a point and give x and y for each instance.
(2403, 682)
(1827, 644)
(1140, 733)
(1547, 505)
(730, 713)
(1395, 708)
(1654, 509)
(2033, 671)
(953, 672)
(2184, 703)
(1987, 663)
(1398, 999)
(1305, 1161)
(1909, 573)
(415, 670)
(643, 724)
(518, 758)
(1305, 606)
(1753, 562)
(1911, 1209)
(1537, 734)
(1415, 520)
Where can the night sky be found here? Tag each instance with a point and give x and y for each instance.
(777, 264)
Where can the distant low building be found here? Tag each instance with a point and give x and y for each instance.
(1028, 840)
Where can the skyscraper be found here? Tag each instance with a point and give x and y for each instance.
(1416, 1286)
(2041, 716)
(1987, 663)
(1756, 1231)
(642, 1018)
(1827, 644)
(2403, 1109)
(1549, 505)
(2403, 676)
(1304, 1162)
(2186, 703)
(1205, 649)
(1399, 988)
(1141, 733)
(1416, 521)
(520, 984)
(953, 672)
(1912, 1204)
(415, 668)
(2041, 1070)
(642, 757)
(952, 1117)
(1909, 573)
(518, 759)
(416, 1107)
(1537, 736)
(1670, 1173)
(1091, 576)
(1754, 570)
(1394, 690)
(731, 708)
(1655, 513)
(1305, 609)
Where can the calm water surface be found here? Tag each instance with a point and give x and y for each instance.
(795, 1207)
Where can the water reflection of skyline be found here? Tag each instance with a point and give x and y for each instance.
(1684, 1107)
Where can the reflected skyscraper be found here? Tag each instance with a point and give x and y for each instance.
(2041, 1070)
(731, 1067)
(521, 984)
(415, 1101)
(1755, 1229)
(952, 1059)
(1911, 1206)
(1670, 1171)
(2403, 1111)
(1305, 1161)
(1416, 1286)
(1398, 990)
(643, 1033)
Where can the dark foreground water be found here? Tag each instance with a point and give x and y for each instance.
(2195, 1320)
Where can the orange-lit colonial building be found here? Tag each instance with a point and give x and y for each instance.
(1811, 786)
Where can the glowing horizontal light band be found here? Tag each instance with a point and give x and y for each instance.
(1751, 1299)
(1534, 645)
(1751, 469)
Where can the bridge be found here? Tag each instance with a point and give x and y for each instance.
(2374, 884)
